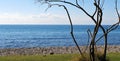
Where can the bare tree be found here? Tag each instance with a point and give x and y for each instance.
(97, 18)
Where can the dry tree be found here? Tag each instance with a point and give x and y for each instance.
(97, 18)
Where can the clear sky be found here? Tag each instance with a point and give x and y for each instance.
(30, 12)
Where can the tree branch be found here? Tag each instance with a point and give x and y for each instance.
(72, 30)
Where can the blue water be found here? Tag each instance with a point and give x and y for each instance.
(18, 36)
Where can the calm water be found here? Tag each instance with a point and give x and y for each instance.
(17, 36)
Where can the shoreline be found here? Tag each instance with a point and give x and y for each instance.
(52, 50)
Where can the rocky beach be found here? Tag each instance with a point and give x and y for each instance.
(52, 50)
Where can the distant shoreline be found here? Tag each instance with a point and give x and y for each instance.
(51, 50)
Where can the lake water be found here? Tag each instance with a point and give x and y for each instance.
(18, 36)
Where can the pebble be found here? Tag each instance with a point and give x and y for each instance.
(51, 50)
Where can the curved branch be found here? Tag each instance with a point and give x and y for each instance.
(77, 2)
(89, 36)
(72, 30)
(72, 34)
(111, 28)
(77, 7)
(116, 5)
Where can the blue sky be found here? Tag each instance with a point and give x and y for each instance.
(30, 12)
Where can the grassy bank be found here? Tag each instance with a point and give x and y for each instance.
(114, 56)
(60, 57)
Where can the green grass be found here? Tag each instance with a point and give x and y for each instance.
(114, 56)
(60, 57)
